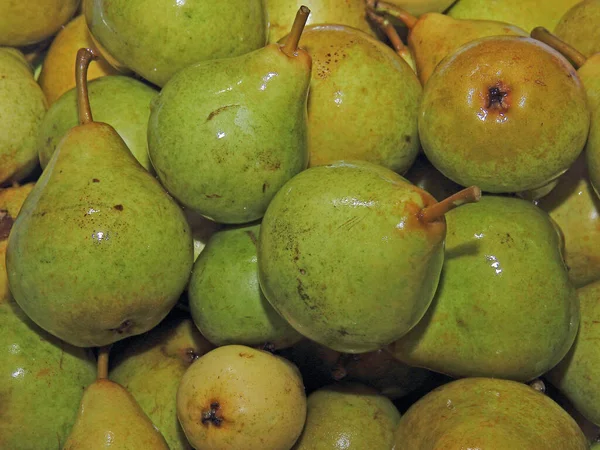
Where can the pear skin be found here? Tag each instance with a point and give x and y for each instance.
(579, 27)
(590, 75)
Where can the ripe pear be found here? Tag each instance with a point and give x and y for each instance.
(99, 250)
(348, 416)
(487, 413)
(504, 306)
(26, 23)
(225, 135)
(500, 91)
(57, 75)
(579, 27)
(225, 299)
(22, 107)
(350, 256)
(157, 38)
(109, 416)
(150, 367)
(351, 72)
(120, 101)
(237, 397)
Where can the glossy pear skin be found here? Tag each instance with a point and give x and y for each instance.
(590, 76)
(579, 27)
(248, 398)
(41, 381)
(577, 375)
(504, 306)
(110, 418)
(150, 367)
(522, 106)
(225, 135)
(22, 108)
(98, 252)
(354, 73)
(436, 36)
(120, 101)
(344, 258)
(487, 413)
(156, 39)
(348, 416)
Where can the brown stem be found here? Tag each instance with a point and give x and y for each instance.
(388, 29)
(437, 210)
(576, 58)
(291, 44)
(103, 362)
(395, 11)
(84, 58)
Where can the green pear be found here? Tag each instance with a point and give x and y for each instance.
(150, 367)
(350, 256)
(99, 250)
(486, 413)
(225, 299)
(348, 416)
(122, 102)
(579, 27)
(225, 135)
(419, 7)
(424, 175)
(353, 73)
(502, 92)
(504, 306)
(526, 14)
(156, 39)
(109, 417)
(577, 375)
(238, 397)
(28, 23)
(22, 107)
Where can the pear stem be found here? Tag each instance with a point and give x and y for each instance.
(103, 362)
(576, 58)
(388, 29)
(395, 11)
(291, 43)
(84, 58)
(437, 210)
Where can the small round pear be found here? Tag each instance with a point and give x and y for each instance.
(238, 397)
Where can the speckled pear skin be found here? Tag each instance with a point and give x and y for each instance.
(579, 27)
(590, 76)
(504, 306)
(120, 101)
(225, 135)
(348, 416)
(224, 294)
(487, 413)
(99, 251)
(157, 38)
(577, 375)
(41, 382)
(520, 103)
(345, 259)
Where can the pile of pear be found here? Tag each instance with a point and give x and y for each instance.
(284, 224)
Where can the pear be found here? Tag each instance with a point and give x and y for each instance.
(419, 7)
(22, 107)
(526, 14)
(225, 299)
(504, 306)
(225, 135)
(120, 101)
(501, 92)
(434, 36)
(350, 254)
(349, 416)
(24, 24)
(99, 250)
(579, 27)
(237, 397)
(487, 413)
(157, 38)
(57, 75)
(109, 416)
(150, 367)
(347, 79)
